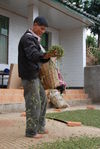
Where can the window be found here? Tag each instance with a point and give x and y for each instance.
(44, 41)
(4, 25)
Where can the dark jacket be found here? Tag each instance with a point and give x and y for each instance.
(30, 57)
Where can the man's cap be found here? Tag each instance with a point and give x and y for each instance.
(41, 21)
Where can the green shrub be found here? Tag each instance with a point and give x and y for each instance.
(59, 49)
(96, 53)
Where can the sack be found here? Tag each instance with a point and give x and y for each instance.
(49, 75)
(56, 99)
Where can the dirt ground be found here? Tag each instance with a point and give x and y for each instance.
(12, 132)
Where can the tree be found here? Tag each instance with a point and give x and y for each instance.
(91, 41)
(93, 7)
(77, 3)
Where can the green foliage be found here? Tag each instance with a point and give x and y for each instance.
(58, 49)
(93, 8)
(91, 41)
(78, 3)
(87, 117)
(86, 5)
(96, 53)
(73, 143)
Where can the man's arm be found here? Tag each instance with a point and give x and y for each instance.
(31, 50)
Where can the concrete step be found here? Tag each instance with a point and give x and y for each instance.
(12, 100)
(75, 91)
(79, 102)
(73, 103)
(16, 95)
(75, 97)
(12, 107)
(75, 94)
(8, 96)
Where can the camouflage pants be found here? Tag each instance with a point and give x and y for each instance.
(35, 102)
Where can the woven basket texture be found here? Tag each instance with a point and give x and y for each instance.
(49, 75)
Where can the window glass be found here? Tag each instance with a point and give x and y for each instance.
(44, 41)
(4, 25)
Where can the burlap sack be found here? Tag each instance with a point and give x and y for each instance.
(56, 99)
(49, 75)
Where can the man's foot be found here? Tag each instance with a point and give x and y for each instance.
(23, 114)
(37, 136)
(43, 132)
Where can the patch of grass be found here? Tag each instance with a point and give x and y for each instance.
(87, 117)
(72, 143)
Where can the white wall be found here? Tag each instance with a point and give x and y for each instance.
(73, 41)
(73, 62)
(17, 26)
(33, 12)
(54, 36)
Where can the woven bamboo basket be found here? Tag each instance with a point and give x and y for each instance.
(49, 75)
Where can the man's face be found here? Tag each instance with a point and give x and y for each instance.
(39, 30)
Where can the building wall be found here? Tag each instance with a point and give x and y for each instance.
(73, 62)
(17, 26)
(73, 42)
(54, 36)
(92, 82)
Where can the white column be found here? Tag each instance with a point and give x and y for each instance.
(84, 47)
(33, 12)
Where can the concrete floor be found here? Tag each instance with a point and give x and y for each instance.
(12, 130)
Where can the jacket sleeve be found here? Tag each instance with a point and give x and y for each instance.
(31, 50)
(44, 60)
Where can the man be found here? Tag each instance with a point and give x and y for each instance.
(30, 58)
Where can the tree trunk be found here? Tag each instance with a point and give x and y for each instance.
(99, 41)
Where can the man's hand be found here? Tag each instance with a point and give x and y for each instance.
(51, 54)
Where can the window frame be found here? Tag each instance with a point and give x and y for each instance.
(47, 40)
(7, 37)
